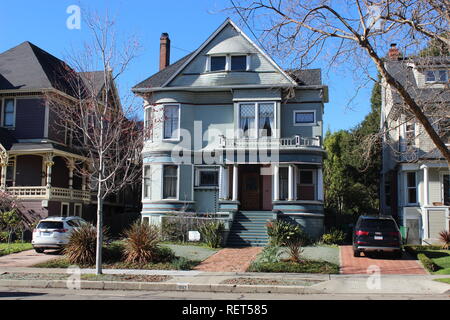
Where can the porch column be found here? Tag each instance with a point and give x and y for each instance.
(426, 183)
(49, 163)
(276, 182)
(291, 183)
(71, 167)
(319, 184)
(223, 182)
(235, 182)
(3, 167)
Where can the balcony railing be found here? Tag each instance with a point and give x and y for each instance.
(42, 193)
(270, 143)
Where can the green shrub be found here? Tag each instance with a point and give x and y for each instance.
(335, 236)
(81, 248)
(427, 262)
(140, 245)
(270, 254)
(164, 254)
(280, 232)
(182, 263)
(4, 236)
(212, 232)
(415, 249)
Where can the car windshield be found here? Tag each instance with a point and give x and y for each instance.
(50, 225)
(378, 224)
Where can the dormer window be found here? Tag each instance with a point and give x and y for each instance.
(436, 76)
(228, 62)
(218, 63)
(238, 63)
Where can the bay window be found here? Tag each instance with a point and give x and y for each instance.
(257, 119)
(171, 121)
(170, 182)
(411, 188)
(147, 183)
(306, 188)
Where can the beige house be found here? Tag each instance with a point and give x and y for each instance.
(415, 177)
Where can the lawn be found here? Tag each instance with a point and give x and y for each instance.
(315, 259)
(179, 257)
(6, 248)
(444, 280)
(438, 259)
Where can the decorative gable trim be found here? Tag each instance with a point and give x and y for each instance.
(228, 21)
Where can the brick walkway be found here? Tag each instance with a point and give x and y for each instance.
(230, 260)
(387, 265)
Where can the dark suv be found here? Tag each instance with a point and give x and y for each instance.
(377, 234)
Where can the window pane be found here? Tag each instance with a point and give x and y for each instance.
(412, 195)
(171, 121)
(170, 182)
(443, 75)
(218, 63)
(411, 179)
(209, 178)
(283, 173)
(8, 114)
(447, 189)
(430, 76)
(306, 177)
(304, 117)
(247, 119)
(239, 63)
(266, 116)
(147, 182)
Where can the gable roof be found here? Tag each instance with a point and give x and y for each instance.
(165, 76)
(28, 67)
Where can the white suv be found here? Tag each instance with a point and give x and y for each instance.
(54, 232)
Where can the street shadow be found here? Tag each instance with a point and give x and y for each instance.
(388, 256)
(20, 294)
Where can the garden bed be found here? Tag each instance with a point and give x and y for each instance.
(6, 248)
(89, 277)
(269, 282)
(306, 266)
(433, 258)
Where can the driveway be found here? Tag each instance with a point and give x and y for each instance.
(387, 264)
(26, 258)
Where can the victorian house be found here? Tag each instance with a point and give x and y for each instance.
(415, 176)
(230, 133)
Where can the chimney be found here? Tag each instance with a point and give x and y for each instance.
(394, 53)
(164, 51)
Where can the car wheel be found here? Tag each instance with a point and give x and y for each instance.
(356, 253)
(399, 254)
(39, 250)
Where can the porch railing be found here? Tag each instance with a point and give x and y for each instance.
(46, 194)
(271, 143)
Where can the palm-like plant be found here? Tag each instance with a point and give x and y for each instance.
(444, 236)
(81, 247)
(140, 245)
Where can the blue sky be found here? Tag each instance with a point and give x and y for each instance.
(188, 23)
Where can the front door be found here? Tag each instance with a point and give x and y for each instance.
(250, 191)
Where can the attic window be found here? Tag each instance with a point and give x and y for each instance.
(238, 63)
(218, 63)
(436, 75)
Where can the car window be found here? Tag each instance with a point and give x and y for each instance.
(73, 223)
(50, 225)
(378, 224)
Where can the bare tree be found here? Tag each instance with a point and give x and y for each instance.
(105, 131)
(355, 32)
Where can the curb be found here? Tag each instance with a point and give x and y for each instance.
(157, 286)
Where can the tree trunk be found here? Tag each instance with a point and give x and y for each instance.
(98, 254)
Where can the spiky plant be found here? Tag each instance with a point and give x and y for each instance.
(81, 247)
(444, 236)
(140, 245)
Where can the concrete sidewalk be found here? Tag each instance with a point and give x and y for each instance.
(198, 281)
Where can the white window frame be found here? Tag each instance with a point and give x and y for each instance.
(143, 183)
(256, 130)
(75, 206)
(2, 115)
(407, 188)
(304, 124)
(199, 169)
(148, 109)
(228, 62)
(68, 208)
(177, 138)
(441, 180)
(178, 181)
(436, 76)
